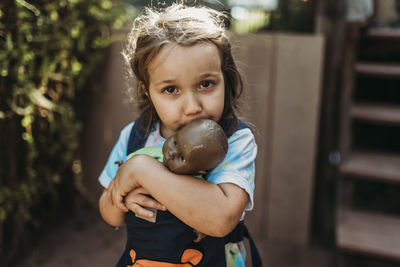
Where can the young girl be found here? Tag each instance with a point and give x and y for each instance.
(181, 58)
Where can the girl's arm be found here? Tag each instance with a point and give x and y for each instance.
(207, 207)
(110, 213)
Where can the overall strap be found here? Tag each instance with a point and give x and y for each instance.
(227, 124)
(237, 235)
(137, 137)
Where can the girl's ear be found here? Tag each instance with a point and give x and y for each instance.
(141, 84)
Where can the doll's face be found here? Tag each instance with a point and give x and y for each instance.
(199, 146)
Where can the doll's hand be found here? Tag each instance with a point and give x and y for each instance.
(140, 203)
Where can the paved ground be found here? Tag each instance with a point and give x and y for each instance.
(80, 242)
(88, 241)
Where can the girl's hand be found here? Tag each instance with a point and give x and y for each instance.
(122, 184)
(127, 178)
(139, 202)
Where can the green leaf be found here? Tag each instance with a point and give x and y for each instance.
(106, 4)
(9, 42)
(27, 120)
(54, 15)
(76, 66)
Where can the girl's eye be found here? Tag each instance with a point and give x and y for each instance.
(170, 90)
(206, 84)
(182, 158)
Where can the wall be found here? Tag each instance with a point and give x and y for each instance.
(283, 78)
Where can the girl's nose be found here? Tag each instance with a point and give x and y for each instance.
(192, 104)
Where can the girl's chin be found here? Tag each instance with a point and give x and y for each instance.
(166, 132)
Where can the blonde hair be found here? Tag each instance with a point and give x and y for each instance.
(185, 26)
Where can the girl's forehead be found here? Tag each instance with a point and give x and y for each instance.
(174, 59)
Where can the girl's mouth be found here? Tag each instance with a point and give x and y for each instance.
(186, 123)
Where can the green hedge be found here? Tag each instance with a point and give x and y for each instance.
(50, 58)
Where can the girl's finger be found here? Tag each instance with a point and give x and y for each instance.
(119, 202)
(144, 201)
(140, 211)
(140, 190)
(152, 203)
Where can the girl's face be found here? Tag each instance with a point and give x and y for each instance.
(186, 83)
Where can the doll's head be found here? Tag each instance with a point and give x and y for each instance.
(198, 146)
(185, 26)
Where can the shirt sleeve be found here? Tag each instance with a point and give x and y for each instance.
(118, 153)
(238, 166)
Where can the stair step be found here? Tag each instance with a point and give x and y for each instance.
(383, 33)
(377, 113)
(368, 233)
(386, 70)
(371, 166)
(380, 44)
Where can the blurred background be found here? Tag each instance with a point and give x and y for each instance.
(322, 83)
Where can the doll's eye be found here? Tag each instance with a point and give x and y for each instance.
(175, 143)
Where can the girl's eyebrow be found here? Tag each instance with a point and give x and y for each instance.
(165, 81)
(206, 75)
(203, 76)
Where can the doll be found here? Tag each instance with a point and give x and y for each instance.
(194, 149)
